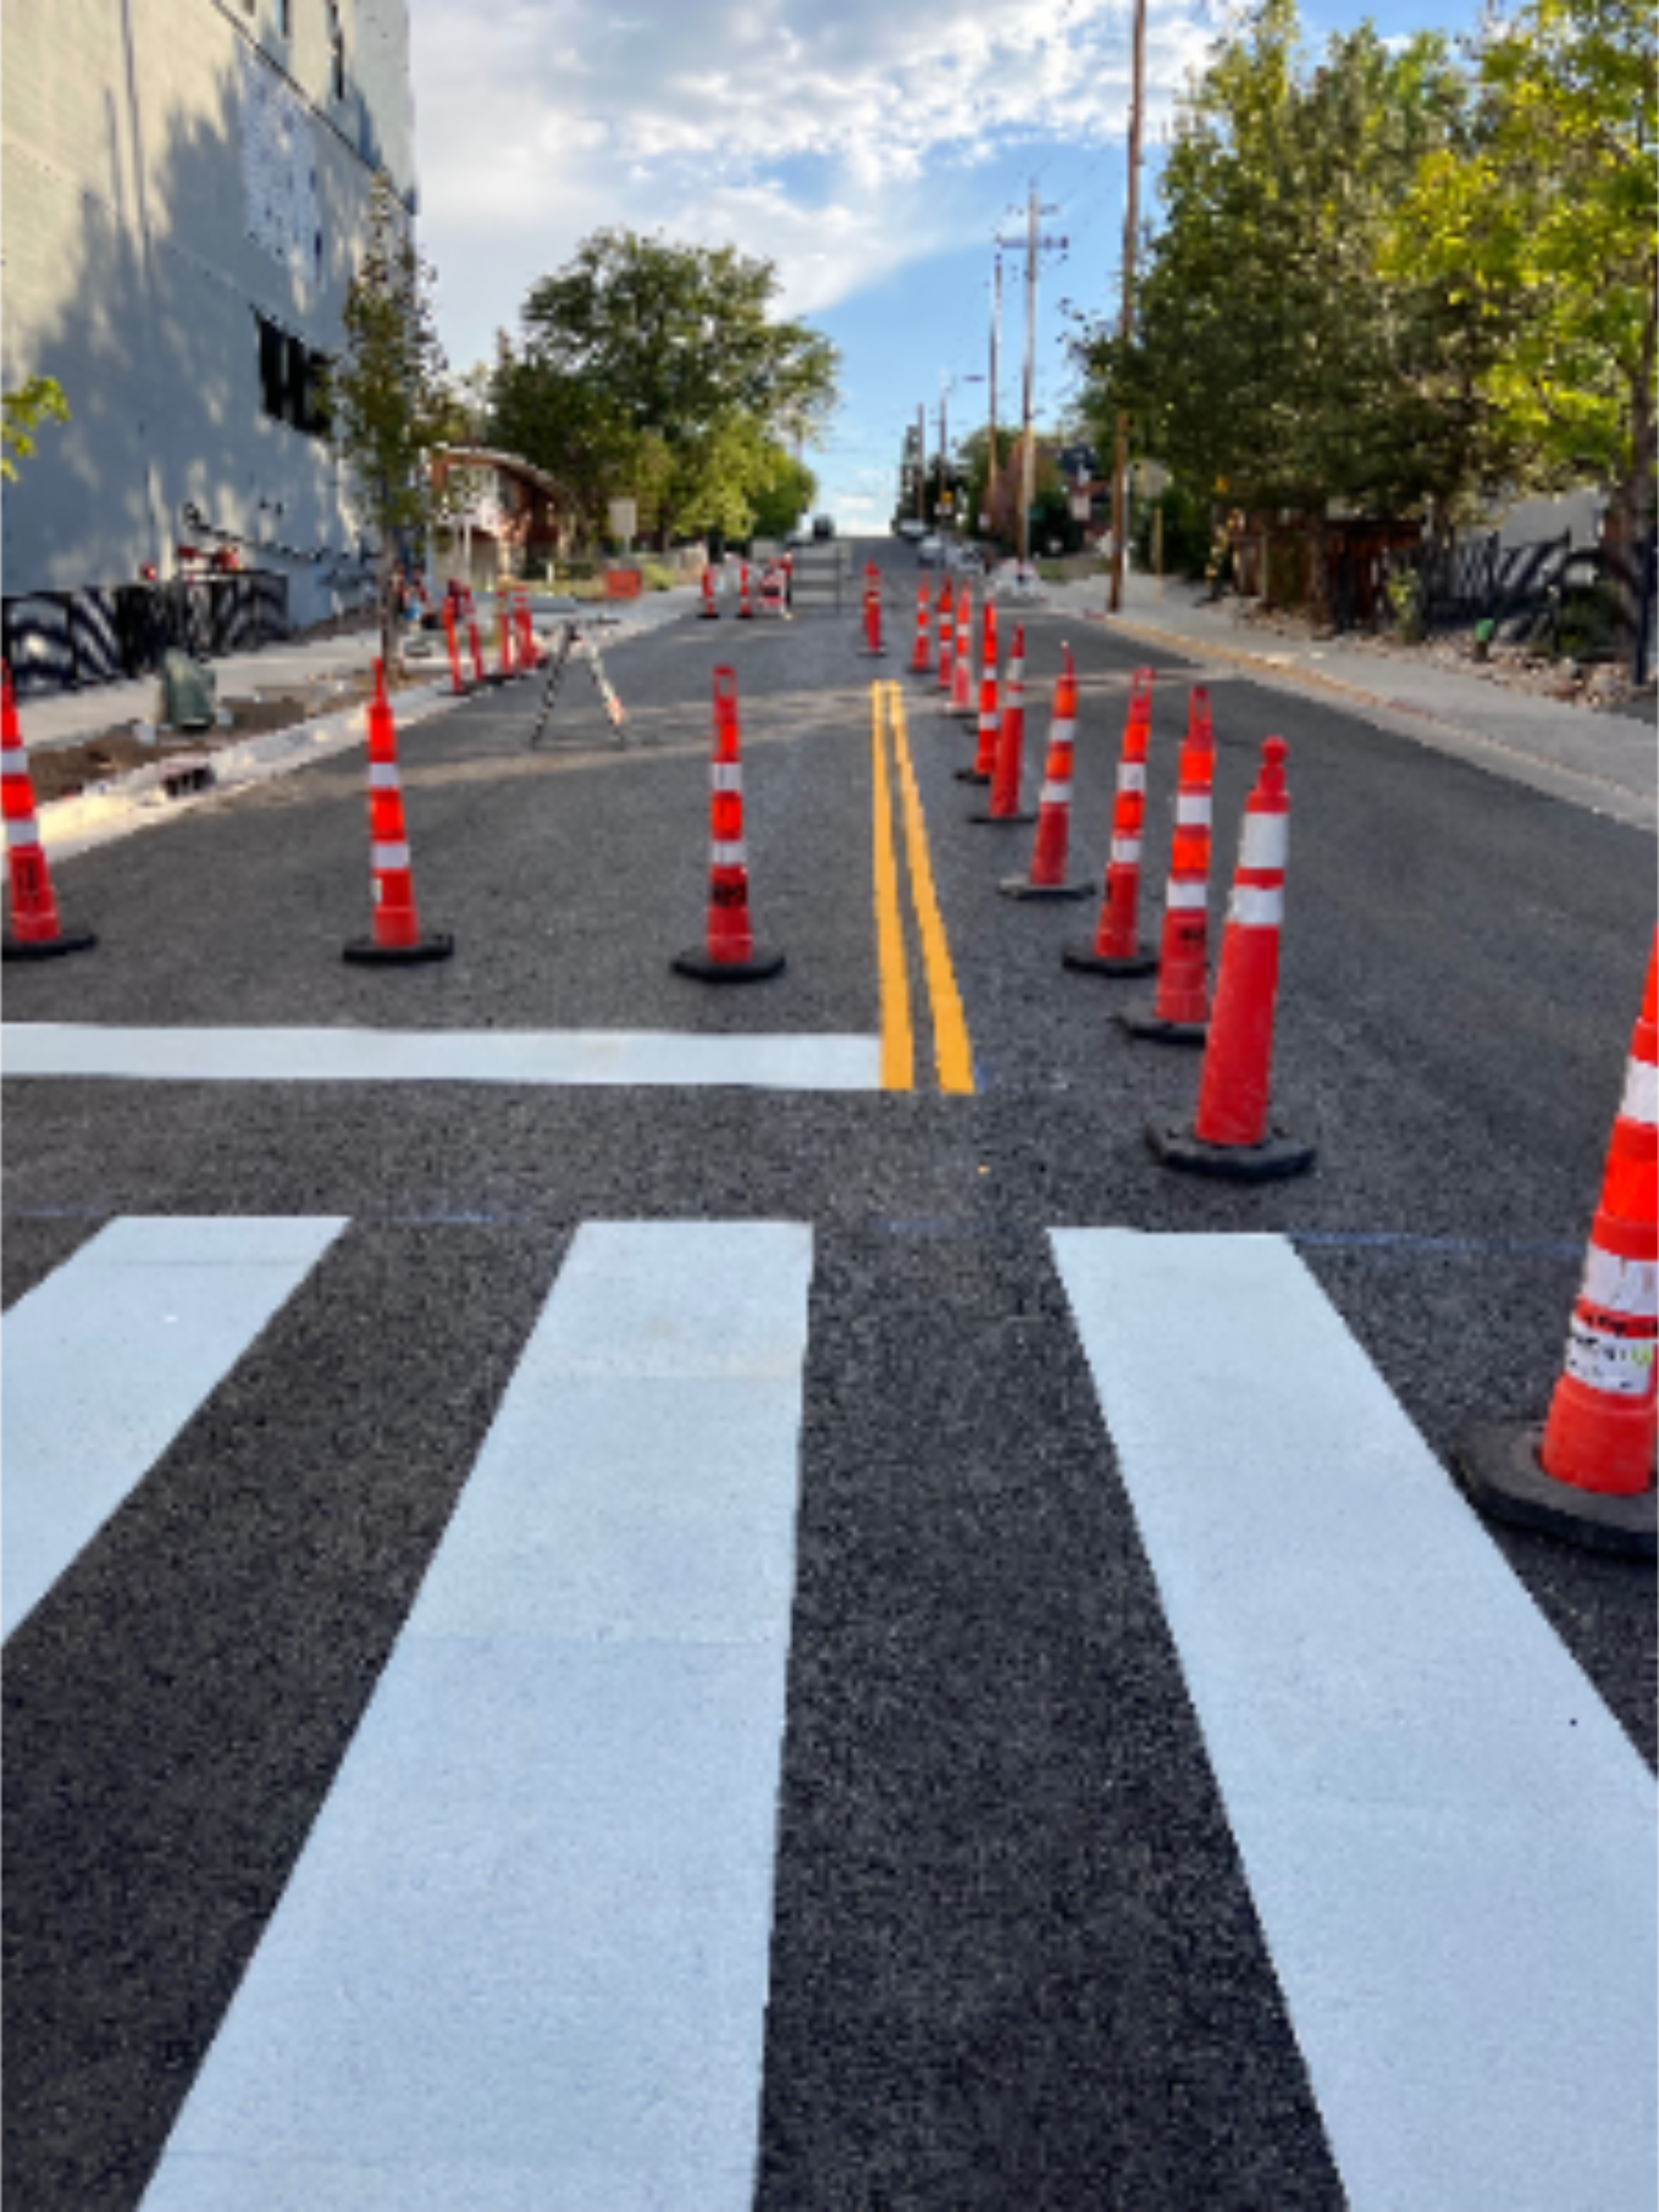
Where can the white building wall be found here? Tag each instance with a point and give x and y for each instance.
(131, 276)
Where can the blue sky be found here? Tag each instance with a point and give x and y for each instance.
(873, 152)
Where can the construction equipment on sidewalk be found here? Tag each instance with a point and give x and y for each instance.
(1231, 1136)
(36, 933)
(730, 955)
(1116, 949)
(396, 937)
(575, 644)
(1179, 1014)
(1588, 1474)
(1010, 742)
(1047, 879)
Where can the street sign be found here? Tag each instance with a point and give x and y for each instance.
(625, 518)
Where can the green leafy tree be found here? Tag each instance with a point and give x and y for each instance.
(388, 397)
(22, 413)
(1269, 354)
(782, 499)
(1541, 226)
(637, 340)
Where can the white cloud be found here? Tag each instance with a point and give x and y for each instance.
(840, 140)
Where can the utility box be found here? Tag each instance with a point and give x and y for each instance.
(188, 692)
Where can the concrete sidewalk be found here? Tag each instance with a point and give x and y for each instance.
(272, 671)
(1605, 762)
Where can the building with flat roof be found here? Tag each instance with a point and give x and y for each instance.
(186, 189)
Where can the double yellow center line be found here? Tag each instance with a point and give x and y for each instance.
(953, 1052)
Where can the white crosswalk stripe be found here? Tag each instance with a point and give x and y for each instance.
(521, 1960)
(108, 1359)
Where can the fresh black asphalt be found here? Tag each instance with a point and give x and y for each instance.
(1014, 1960)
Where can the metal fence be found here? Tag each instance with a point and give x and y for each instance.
(67, 640)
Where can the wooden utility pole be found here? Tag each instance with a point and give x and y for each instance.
(991, 420)
(1131, 225)
(1031, 246)
(921, 463)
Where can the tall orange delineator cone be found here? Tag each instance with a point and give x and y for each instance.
(872, 646)
(990, 718)
(1229, 1136)
(731, 955)
(1047, 879)
(962, 668)
(1588, 1476)
(1180, 1011)
(946, 639)
(745, 609)
(396, 932)
(457, 681)
(1115, 948)
(503, 634)
(36, 933)
(920, 655)
(480, 675)
(708, 612)
(528, 654)
(1010, 749)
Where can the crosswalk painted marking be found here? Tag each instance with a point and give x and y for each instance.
(108, 1359)
(806, 1062)
(1449, 1839)
(521, 1963)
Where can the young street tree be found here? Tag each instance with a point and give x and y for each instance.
(387, 395)
(40, 399)
(1542, 225)
(656, 369)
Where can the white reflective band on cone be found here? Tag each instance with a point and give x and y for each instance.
(1062, 730)
(1641, 1100)
(383, 776)
(22, 833)
(13, 760)
(1620, 1286)
(730, 854)
(1266, 836)
(1056, 794)
(726, 775)
(392, 858)
(1182, 897)
(1126, 852)
(1619, 1366)
(1193, 809)
(1253, 908)
(1132, 775)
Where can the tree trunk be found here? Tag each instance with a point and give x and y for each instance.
(1629, 524)
(1319, 573)
(388, 613)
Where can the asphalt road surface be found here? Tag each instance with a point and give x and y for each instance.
(627, 1593)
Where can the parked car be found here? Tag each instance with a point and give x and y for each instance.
(823, 526)
(931, 552)
(913, 529)
(967, 558)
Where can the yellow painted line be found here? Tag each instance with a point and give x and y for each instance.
(898, 1045)
(953, 1052)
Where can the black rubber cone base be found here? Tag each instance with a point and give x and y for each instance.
(971, 776)
(1142, 1022)
(1004, 821)
(67, 940)
(365, 952)
(1498, 1470)
(760, 964)
(1019, 887)
(1083, 955)
(1277, 1156)
(879, 653)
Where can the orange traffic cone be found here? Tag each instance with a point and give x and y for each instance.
(458, 682)
(479, 674)
(1229, 1136)
(1588, 1475)
(36, 933)
(1010, 744)
(396, 931)
(528, 652)
(708, 612)
(919, 651)
(1116, 949)
(872, 646)
(745, 609)
(990, 720)
(947, 651)
(731, 956)
(1180, 1011)
(1047, 879)
(962, 668)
